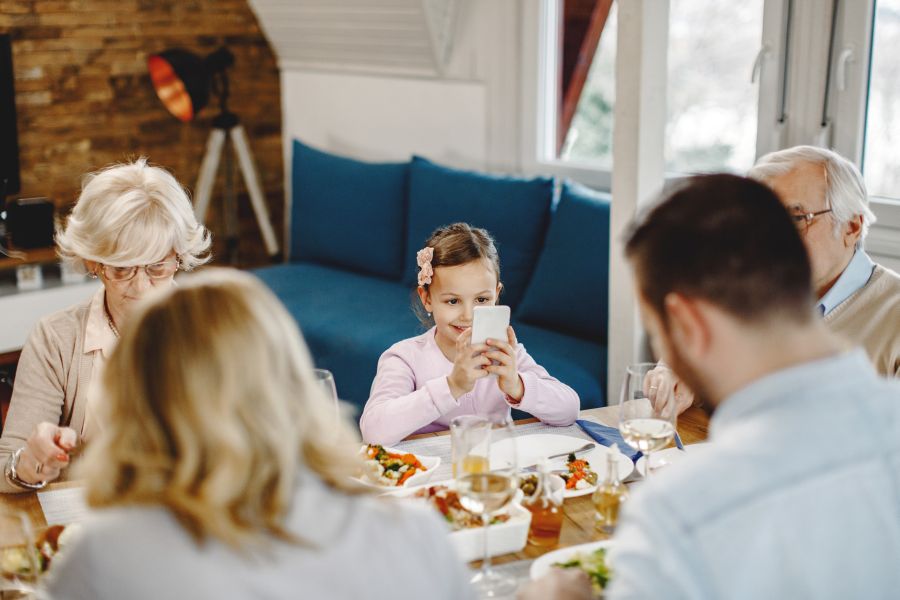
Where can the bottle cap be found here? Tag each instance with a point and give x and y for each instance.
(613, 452)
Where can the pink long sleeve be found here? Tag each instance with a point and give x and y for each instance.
(410, 393)
(396, 408)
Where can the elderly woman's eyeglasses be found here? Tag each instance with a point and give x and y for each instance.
(804, 219)
(160, 270)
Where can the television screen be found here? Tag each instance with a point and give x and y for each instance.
(9, 139)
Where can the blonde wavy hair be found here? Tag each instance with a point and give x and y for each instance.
(211, 408)
(132, 214)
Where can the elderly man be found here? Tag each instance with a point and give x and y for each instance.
(858, 299)
(797, 495)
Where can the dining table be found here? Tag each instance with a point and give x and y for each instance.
(578, 524)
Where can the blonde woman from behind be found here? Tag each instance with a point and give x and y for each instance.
(222, 472)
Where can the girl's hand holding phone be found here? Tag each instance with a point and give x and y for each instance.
(469, 365)
(504, 352)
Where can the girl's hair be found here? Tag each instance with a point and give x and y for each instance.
(211, 408)
(132, 214)
(457, 244)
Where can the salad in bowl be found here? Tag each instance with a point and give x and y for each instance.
(389, 467)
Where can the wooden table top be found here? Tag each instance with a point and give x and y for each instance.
(578, 527)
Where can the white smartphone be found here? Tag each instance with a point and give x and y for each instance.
(489, 322)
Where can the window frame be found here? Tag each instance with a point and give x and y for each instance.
(540, 54)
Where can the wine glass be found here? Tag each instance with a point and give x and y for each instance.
(325, 381)
(19, 560)
(645, 421)
(485, 492)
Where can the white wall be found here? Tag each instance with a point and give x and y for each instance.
(386, 118)
(466, 117)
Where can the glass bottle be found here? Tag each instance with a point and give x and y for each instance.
(546, 511)
(610, 494)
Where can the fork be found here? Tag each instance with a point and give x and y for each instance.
(533, 468)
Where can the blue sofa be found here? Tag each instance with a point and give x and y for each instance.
(350, 277)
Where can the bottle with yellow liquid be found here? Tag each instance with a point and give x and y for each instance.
(546, 512)
(610, 494)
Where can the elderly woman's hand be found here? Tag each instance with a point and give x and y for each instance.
(662, 385)
(48, 446)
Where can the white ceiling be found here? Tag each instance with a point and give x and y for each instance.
(380, 36)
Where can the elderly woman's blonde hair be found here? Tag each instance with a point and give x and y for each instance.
(132, 214)
(212, 408)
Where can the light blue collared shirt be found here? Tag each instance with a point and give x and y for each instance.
(854, 277)
(797, 496)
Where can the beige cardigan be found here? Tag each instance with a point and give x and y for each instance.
(871, 318)
(52, 381)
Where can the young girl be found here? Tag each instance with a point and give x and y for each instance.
(424, 382)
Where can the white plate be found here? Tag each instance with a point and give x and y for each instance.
(542, 564)
(534, 448)
(430, 463)
(664, 458)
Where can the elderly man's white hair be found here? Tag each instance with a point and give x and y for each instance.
(845, 190)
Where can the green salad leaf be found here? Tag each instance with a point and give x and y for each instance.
(593, 563)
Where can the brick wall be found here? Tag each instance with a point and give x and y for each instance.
(84, 97)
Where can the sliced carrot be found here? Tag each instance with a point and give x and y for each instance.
(409, 473)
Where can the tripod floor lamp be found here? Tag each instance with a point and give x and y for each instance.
(184, 82)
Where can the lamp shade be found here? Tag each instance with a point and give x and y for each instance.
(182, 79)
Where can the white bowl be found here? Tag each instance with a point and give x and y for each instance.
(430, 463)
(503, 538)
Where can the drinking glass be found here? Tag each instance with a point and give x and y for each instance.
(469, 441)
(485, 492)
(325, 381)
(19, 561)
(645, 424)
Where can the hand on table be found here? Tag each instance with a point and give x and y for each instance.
(469, 365)
(504, 352)
(571, 584)
(663, 386)
(46, 453)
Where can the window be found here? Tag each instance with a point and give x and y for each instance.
(881, 162)
(712, 104)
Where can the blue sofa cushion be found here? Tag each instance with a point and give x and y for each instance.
(514, 210)
(575, 266)
(578, 363)
(348, 213)
(347, 319)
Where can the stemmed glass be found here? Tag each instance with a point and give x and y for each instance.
(325, 381)
(646, 424)
(485, 492)
(19, 561)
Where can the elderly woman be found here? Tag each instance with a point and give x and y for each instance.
(132, 228)
(223, 471)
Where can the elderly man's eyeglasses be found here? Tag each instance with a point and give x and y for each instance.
(803, 220)
(160, 270)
